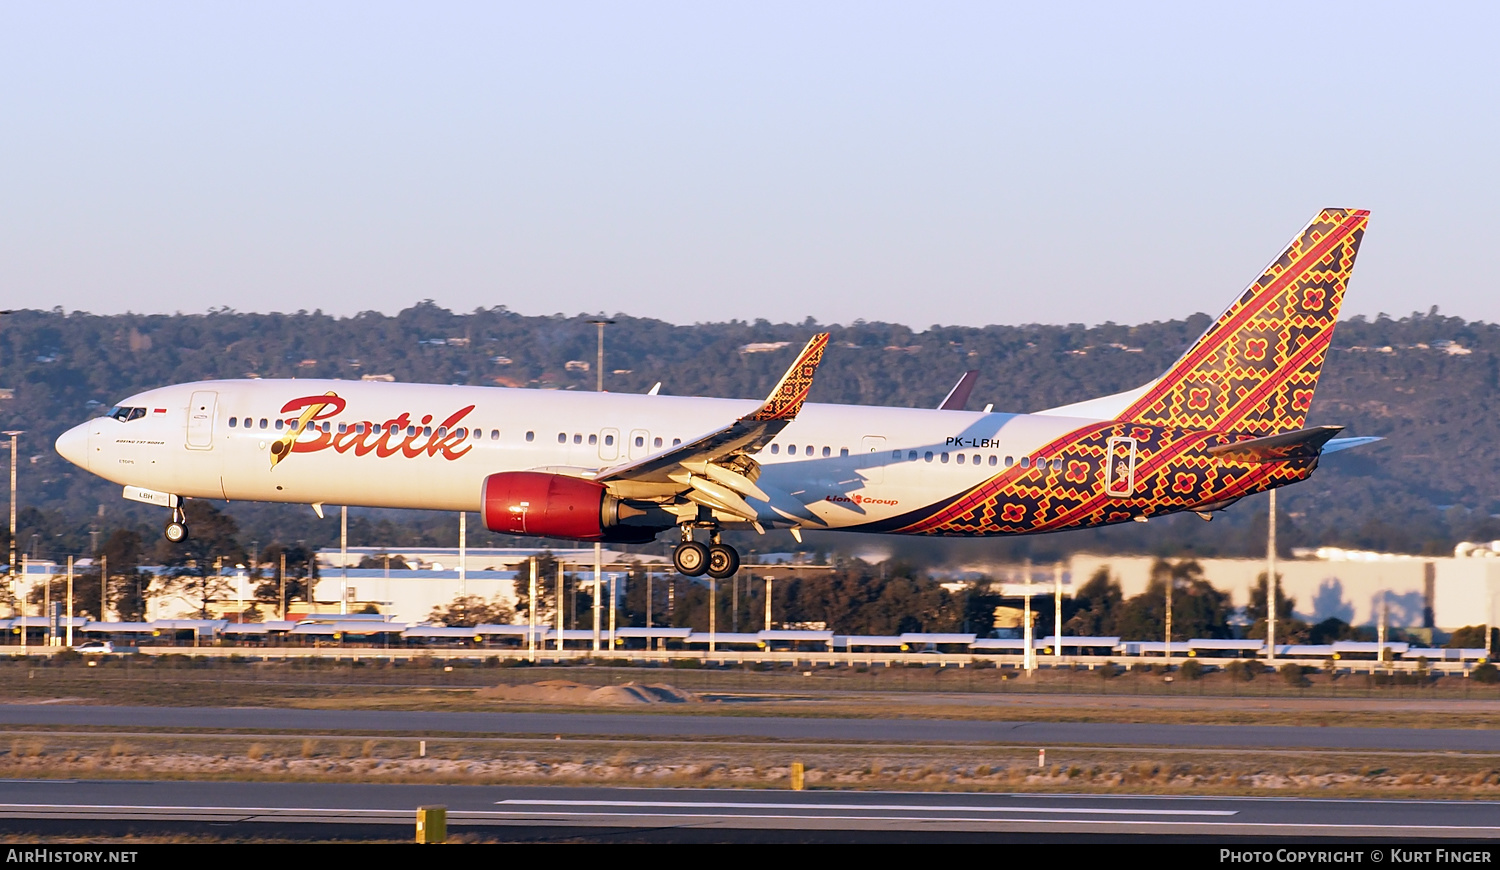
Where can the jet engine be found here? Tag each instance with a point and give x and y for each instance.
(543, 505)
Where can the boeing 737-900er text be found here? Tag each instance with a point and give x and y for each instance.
(1226, 420)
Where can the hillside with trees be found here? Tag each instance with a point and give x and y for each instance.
(1427, 383)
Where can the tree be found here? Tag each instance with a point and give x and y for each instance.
(546, 587)
(1288, 630)
(196, 562)
(1098, 603)
(1329, 630)
(301, 573)
(468, 611)
(130, 586)
(1198, 609)
(1468, 637)
(383, 560)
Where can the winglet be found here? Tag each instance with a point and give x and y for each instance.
(786, 400)
(958, 397)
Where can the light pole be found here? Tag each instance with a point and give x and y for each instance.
(1272, 587)
(599, 548)
(10, 567)
(599, 357)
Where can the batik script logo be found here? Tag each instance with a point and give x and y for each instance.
(396, 435)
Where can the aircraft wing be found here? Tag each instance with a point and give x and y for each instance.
(715, 468)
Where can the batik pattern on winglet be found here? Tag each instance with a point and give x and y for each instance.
(786, 400)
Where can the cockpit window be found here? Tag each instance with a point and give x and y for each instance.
(124, 414)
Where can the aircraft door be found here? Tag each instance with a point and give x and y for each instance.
(200, 420)
(1119, 467)
(873, 448)
(609, 444)
(640, 443)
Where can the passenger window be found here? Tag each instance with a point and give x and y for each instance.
(342, 428)
(945, 457)
(577, 438)
(426, 430)
(928, 456)
(593, 439)
(896, 454)
(960, 459)
(657, 442)
(278, 425)
(1009, 461)
(494, 434)
(994, 459)
(609, 440)
(827, 451)
(1025, 461)
(1057, 464)
(676, 441)
(562, 438)
(530, 436)
(975, 459)
(775, 448)
(233, 421)
(442, 431)
(411, 431)
(639, 441)
(264, 422)
(843, 451)
(912, 455)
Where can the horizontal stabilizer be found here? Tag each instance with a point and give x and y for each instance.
(1338, 444)
(1302, 444)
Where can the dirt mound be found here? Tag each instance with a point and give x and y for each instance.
(642, 693)
(569, 692)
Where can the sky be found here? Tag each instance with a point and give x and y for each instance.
(923, 163)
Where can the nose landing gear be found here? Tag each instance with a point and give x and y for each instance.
(719, 561)
(176, 530)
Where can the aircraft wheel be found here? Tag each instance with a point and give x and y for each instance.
(690, 558)
(723, 561)
(176, 532)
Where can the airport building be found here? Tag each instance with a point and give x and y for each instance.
(1417, 592)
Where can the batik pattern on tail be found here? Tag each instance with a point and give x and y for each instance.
(1064, 487)
(1254, 370)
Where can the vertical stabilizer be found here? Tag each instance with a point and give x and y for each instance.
(1254, 370)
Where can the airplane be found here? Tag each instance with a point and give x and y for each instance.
(1224, 421)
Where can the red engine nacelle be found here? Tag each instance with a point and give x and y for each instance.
(545, 505)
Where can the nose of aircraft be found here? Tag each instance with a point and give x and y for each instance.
(74, 445)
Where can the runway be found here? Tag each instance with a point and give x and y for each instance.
(644, 725)
(540, 813)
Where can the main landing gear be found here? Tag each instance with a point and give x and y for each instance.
(176, 530)
(719, 561)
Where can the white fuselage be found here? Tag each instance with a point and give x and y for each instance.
(848, 465)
